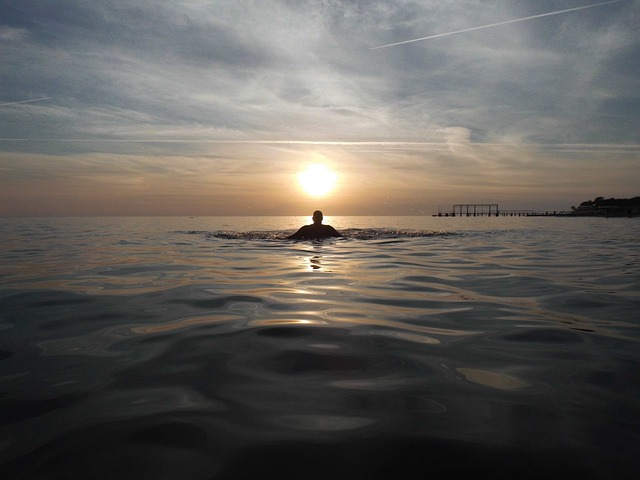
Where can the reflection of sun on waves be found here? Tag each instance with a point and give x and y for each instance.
(424, 334)
(314, 262)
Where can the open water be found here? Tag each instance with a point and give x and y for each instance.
(415, 347)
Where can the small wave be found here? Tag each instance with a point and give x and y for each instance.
(192, 232)
(385, 233)
(351, 233)
(259, 235)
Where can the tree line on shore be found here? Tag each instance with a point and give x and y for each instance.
(609, 206)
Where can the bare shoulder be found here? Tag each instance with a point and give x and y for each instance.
(301, 233)
(334, 232)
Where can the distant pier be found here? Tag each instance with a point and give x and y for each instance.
(493, 210)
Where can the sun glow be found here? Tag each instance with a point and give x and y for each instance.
(317, 180)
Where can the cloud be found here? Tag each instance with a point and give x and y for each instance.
(302, 69)
(11, 34)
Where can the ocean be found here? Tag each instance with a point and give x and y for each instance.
(413, 347)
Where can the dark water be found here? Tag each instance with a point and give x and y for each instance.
(412, 348)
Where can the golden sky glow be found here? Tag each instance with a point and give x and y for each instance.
(317, 180)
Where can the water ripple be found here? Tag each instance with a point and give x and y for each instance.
(192, 348)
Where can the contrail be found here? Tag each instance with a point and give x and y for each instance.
(25, 101)
(557, 12)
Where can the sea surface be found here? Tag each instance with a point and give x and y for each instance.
(414, 347)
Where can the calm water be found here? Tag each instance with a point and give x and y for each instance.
(415, 347)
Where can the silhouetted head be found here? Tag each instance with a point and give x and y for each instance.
(317, 216)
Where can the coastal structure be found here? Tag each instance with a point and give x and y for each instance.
(600, 207)
(493, 210)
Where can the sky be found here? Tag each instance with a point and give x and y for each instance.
(195, 107)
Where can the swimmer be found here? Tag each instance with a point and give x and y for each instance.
(315, 230)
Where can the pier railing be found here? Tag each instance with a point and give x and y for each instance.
(493, 210)
(476, 209)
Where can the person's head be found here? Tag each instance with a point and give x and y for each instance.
(317, 216)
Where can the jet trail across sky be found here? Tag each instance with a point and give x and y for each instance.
(506, 22)
(25, 101)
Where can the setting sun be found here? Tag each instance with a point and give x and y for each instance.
(317, 180)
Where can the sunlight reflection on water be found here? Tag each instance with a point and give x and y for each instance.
(483, 338)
